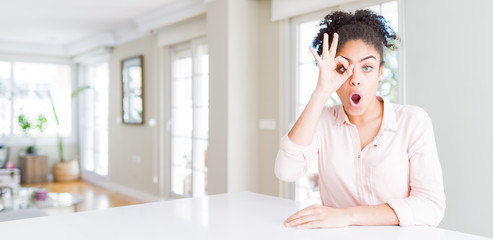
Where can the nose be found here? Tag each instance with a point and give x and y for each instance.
(355, 80)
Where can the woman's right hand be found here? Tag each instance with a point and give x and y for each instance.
(333, 71)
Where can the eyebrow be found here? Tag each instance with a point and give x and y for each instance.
(361, 59)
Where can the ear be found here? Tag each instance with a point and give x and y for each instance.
(380, 72)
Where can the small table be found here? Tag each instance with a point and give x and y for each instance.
(59, 200)
(22, 204)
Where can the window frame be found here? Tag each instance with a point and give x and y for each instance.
(190, 44)
(81, 68)
(21, 141)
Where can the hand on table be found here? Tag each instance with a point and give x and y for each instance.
(317, 216)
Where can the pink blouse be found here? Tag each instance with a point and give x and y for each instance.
(400, 167)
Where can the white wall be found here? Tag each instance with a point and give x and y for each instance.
(234, 62)
(448, 72)
(217, 156)
(243, 77)
(269, 104)
(129, 141)
(183, 31)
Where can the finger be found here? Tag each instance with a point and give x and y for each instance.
(341, 61)
(310, 225)
(315, 55)
(348, 72)
(297, 215)
(302, 220)
(306, 211)
(333, 46)
(325, 49)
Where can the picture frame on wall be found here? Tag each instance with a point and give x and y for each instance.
(133, 90)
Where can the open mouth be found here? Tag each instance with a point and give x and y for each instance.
(355, 99)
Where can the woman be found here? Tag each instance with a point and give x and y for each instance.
(378, 163)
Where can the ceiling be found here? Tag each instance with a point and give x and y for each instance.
(62, 22)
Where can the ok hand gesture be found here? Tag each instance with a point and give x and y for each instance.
(333, 71)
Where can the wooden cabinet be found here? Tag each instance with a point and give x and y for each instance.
(34, 169)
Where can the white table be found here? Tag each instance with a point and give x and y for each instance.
(225, 216)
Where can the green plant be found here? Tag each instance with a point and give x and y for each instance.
(75, 93)
(24, 124)
(26, 127)
(41, 123)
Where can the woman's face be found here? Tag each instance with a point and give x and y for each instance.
(358, 93)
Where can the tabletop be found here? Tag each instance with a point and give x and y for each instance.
(241, 215)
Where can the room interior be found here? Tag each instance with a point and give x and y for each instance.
(187, 98)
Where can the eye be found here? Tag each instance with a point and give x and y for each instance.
(341, 69)
(367, 68)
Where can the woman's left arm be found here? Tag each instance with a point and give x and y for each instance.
(426, 202)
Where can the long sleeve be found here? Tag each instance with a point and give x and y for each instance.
(292, 160)
(426, 202)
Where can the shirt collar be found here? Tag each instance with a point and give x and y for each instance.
(389, 122)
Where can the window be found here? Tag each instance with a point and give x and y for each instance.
(189, 131)
(25, 89)
(94, 107)
(305, 77)
(5, 103)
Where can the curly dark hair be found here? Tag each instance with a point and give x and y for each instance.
(364, 25)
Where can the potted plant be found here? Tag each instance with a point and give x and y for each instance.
(65, 170)
(26, 126)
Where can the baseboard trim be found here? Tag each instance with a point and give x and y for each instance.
(105, 183)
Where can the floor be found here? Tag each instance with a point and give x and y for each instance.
(94, 197)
